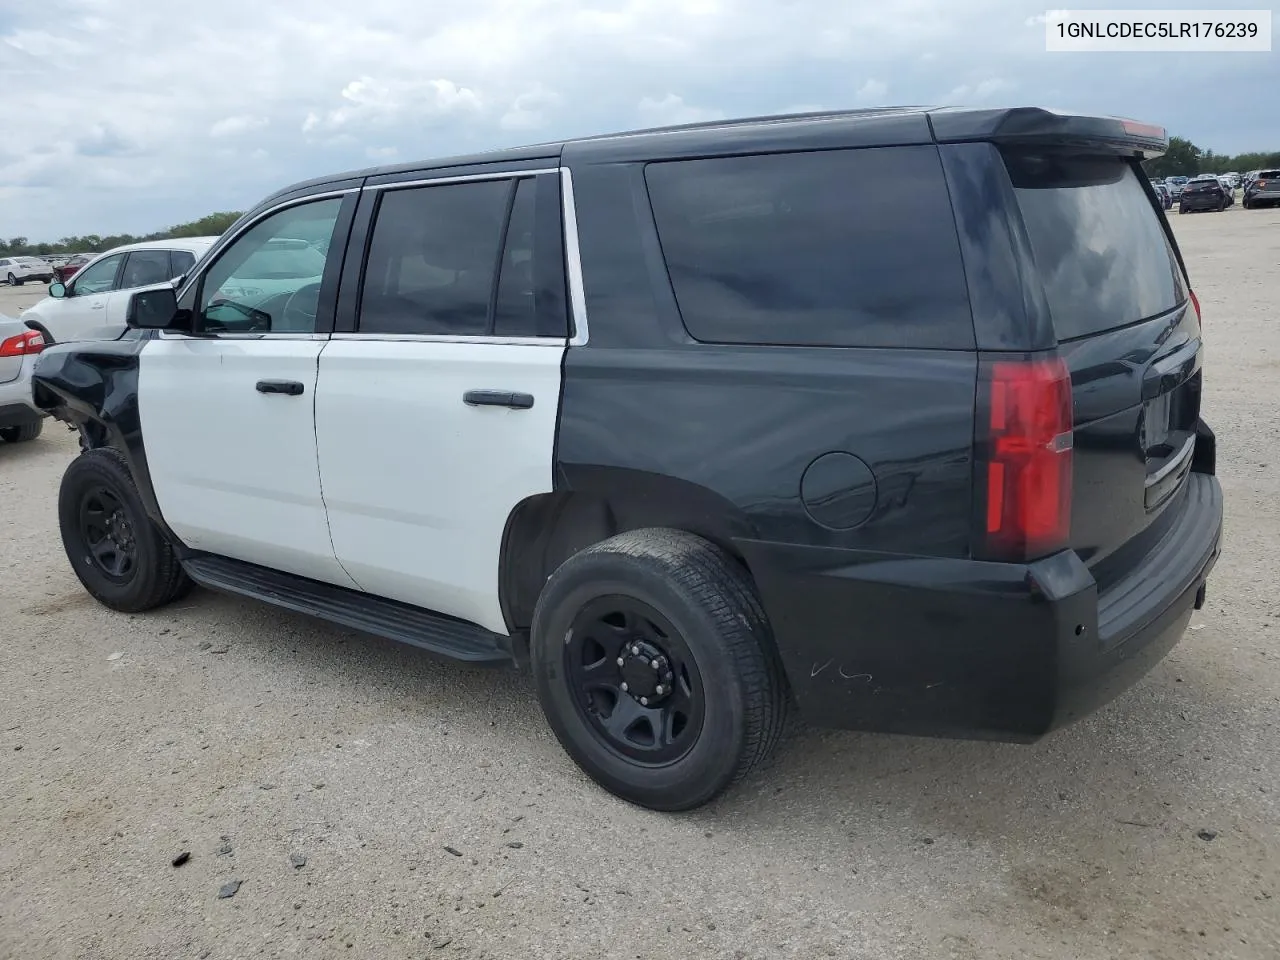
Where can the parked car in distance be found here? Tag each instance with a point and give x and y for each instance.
(91, 305)
(70, 265)
(598, 407)
(20, 418)
(1229, 189)
(1162, 191)
(1263, 190)
(16, 271)
(1202, 193)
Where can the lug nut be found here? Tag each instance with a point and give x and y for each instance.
(636, 649)
(644, 701)
(625, 688)
(621, 661)
(659, 690)
(656, 665)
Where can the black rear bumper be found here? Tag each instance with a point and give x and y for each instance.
(964, 648)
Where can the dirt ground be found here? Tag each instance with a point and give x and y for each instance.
(438, 817)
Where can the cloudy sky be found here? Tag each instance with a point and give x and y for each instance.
(131, 115)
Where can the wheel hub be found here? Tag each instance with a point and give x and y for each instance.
(646, 673)
(119, 531)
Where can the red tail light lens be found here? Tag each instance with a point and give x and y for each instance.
(30, 342)
(1195, 302)
(1029, 459)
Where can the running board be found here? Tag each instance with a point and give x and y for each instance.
(349, 608)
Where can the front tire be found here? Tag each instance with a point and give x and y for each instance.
(11, 280)
(23, 433)
(655, 666)
(120, 556)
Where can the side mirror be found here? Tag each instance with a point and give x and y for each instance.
(152, 309)
(57, 289)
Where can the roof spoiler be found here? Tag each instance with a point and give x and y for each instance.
(1036, 126)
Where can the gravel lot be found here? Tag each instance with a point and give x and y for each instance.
(438, 816)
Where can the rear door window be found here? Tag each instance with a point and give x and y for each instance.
(180, 261)
(1099, 246)
(832, 248)
(145, 267)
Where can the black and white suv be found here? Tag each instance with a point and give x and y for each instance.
(888, 416)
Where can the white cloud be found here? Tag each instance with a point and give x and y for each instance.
(317, 86)
(371, 101)
(672, 109)
(529, 110)
(381, 153)
(872, 91)
(234, 126)
(977, 93)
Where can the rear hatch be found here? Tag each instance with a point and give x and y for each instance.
(1268, 182)
(1129, 331)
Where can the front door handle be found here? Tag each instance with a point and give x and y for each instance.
(290, 388)
(498, 398)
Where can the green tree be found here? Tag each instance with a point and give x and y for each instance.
(1181, 159)
(213, 225)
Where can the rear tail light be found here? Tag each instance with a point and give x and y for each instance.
(24, 343)
(1026, 459)
(1195, 302)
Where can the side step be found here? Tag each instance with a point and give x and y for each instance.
(348, 608)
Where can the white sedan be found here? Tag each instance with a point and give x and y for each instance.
(92, 304)
(16, 271)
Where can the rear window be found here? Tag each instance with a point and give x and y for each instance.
(1099, 246)
(833, 248)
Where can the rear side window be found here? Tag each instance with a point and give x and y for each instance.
(432, 259)
(1100, 249)
(834, 248)
(145, 267)
(180, 262)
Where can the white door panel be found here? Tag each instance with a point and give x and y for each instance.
(72, 318)
(235, 470)
(418, 484)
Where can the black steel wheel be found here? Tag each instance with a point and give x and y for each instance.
(119, 555)
(634, 679)
(107, 534)
(656, 669)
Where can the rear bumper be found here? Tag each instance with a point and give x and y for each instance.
(17, 406)
(964, 648)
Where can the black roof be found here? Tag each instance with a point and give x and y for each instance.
(879, 126)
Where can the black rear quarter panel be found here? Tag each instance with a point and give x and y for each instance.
(671, 429)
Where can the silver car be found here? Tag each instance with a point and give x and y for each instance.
(19, 347)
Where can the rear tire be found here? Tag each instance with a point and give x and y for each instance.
(120, 556)
(23, 433)
(674, 602)
(12, 280)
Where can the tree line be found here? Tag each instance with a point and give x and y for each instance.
(1184, 158)
(215, 224)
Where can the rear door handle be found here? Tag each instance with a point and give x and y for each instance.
(498, 398)
(290, 388)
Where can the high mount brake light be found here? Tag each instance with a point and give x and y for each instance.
(1028, 459)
